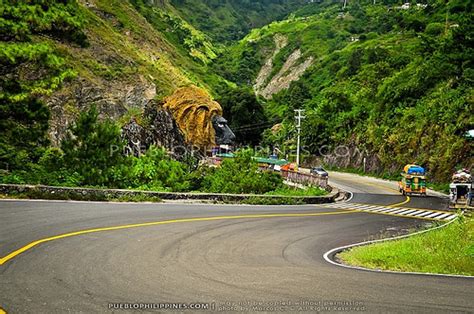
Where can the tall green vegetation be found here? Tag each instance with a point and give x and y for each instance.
(92, 149)
(30, 69)
(245, 114)
(155, 171)
(228, 20)
(241, 175)
(241, 63)
(92, 154)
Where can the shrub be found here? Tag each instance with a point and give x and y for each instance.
(241, 175)
(93, 149)
(154, 170)
(434, 29)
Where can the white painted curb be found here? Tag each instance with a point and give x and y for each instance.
(327, 256)
(350, 198)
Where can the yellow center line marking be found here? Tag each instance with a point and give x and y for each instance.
(29, 246)
(401, 203)
(380, 186)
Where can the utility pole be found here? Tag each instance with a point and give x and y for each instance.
(298, 117)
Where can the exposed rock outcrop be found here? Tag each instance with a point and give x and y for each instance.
(349, 156)
(160, 130)
(280, 42)
(291, 71)
(113, 100)
(182, 123)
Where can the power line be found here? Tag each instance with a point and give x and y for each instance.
(256, 125)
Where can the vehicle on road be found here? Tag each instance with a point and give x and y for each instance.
(319, 171)
(461, 190)
(413, 180)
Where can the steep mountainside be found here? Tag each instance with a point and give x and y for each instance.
(391, 81)
(57, 59)
(133, 54)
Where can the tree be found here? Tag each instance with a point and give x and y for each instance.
(28, 70)
(245, 114)
(154, 170)
(92, 148)
(241, 175)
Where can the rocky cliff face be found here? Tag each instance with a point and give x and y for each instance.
(131, 58)
(280, 42)
(293, 68)
(113, 100)
(160, 130)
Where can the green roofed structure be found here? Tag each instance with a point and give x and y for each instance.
(271, 161)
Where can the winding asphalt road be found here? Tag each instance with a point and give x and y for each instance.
(230, 257)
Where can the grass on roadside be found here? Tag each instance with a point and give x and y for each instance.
(74, 196)
(261, 200)
(291, 191)
(449, 250)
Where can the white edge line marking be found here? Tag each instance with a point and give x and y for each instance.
(451, 217)
(434, 215)
(392, 210)
(339, 249)
(380, 210)
(427, 213)
(399, 211)
(407, 212)
(443, 216)
(417, 212)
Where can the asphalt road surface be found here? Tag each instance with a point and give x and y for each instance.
(214, 257)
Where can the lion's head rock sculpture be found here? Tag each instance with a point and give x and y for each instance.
(199, 117)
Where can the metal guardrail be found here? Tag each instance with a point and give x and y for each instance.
(305, 179)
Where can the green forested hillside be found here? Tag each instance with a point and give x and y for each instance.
(59, 58)
(226, 20)
(396, 82)
(30, 68)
